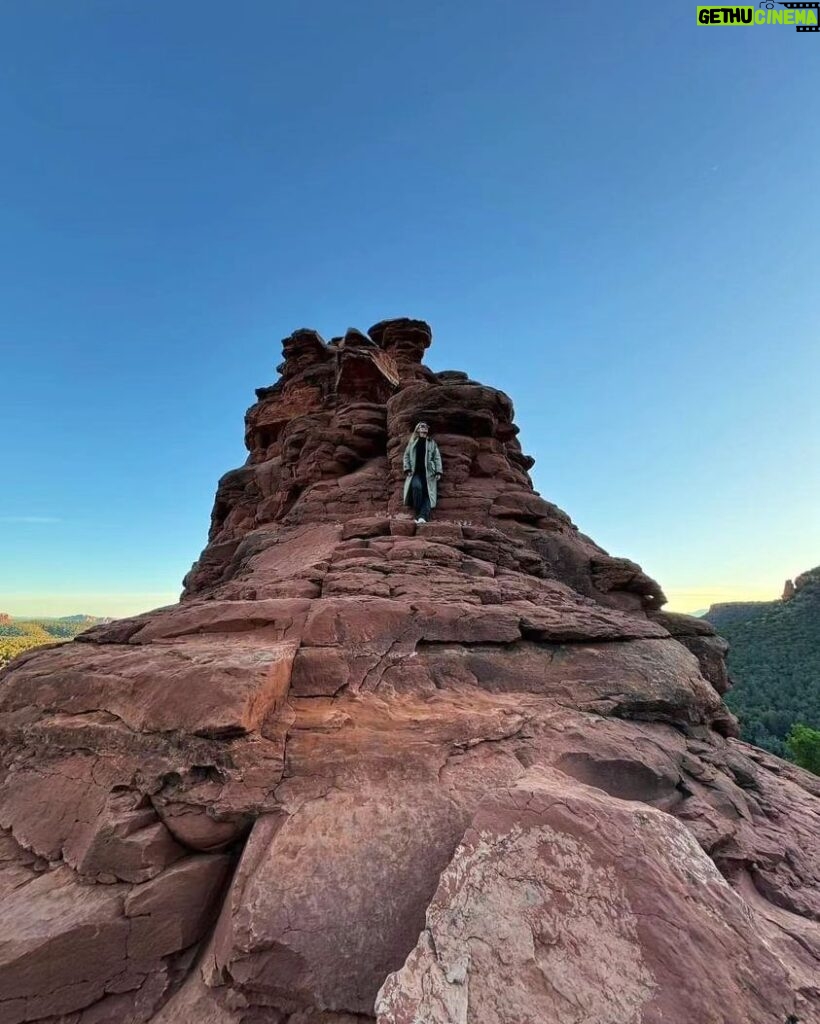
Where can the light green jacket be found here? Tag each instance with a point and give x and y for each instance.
(433, 467)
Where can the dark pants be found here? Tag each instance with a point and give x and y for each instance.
(420, 497)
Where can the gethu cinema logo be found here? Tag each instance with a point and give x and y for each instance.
(804, 16)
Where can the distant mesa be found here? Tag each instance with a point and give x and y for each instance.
(19, 634)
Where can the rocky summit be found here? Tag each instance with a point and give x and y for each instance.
(463, 772)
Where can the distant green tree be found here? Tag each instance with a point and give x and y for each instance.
(19, 635)
(774, 663)
(804, 745)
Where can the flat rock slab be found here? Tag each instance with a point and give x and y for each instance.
(197, 684)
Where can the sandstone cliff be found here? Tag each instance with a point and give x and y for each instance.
(462, 772)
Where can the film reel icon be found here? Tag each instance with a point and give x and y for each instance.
(812, 5)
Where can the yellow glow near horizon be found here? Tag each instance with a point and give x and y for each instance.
(693, 599)
(22, 605)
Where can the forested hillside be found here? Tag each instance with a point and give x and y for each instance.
(774, 662)
(18, 635)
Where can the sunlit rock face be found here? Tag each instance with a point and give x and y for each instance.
(465, 771)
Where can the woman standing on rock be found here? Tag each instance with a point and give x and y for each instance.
(422, 472)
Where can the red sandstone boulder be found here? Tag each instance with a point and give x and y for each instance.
(562, 903)
(469, 764)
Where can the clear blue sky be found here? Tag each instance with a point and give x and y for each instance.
(603, 209)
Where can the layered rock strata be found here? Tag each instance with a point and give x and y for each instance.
(467, 771)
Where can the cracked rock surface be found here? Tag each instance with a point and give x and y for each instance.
(465, 772)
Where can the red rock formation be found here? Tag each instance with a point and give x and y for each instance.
(468, 767)
(604, 900)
